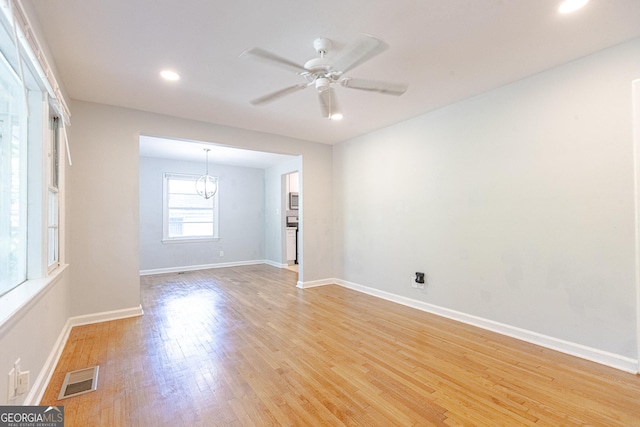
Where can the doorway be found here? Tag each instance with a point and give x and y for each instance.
(291, 238)
(248, 232)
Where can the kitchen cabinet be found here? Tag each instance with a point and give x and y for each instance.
(291, 243)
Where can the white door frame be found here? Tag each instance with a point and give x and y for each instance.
(635, 94)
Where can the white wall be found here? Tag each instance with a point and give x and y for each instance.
(31, 334)
(241, 213)
(518, 204)
(103, 212)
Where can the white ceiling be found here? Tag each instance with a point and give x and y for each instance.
(193, 151)
(112, 51)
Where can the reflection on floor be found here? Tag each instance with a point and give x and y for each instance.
(292, 267)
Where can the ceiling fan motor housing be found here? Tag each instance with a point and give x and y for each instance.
(322, 45)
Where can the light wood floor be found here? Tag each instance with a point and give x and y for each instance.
(242, 346)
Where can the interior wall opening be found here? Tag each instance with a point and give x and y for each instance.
(247, 231)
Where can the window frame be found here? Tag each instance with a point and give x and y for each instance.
(42, 97)
(53, 196)
(166, 238)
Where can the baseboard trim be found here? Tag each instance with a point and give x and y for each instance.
(203, 267)
(578, 350)
(315, 283)
(42, 381)
(274, 264)
(105, 316)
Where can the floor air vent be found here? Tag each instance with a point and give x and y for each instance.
(79, 382)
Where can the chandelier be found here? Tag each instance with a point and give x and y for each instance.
(207, 185)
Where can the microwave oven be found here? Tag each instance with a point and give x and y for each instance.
(293, 201)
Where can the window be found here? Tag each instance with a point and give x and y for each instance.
(31, 184)
(54, 177)
(187, 215)
(13, 179)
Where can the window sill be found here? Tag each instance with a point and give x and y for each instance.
(27, 293)
(191, 240)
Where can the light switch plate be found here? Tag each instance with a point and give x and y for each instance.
(11, 384)
(23, 382)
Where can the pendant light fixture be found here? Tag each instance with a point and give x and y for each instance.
(206, 185)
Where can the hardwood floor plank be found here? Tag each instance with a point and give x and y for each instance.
(242, 346)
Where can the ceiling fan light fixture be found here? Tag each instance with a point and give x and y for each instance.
(322, 84)
(568, 6)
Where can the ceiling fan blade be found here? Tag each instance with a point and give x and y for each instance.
(388, 88)
(278, 94)
(273, 59)
(365, 48)
(328, 104)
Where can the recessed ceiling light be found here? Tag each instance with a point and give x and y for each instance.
(169, 75)
(336, 116)
(569, 6)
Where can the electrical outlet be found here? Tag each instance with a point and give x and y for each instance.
(414, 284)
(11, 384)
(23, 382)
(221, 253)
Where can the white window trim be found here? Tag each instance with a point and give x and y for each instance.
(15, 17)
(39, 278)
(53, 157)
(171, 241)
(25, 295)
(56, 262)
(165, 213)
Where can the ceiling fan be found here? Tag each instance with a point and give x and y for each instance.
(322, 73)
